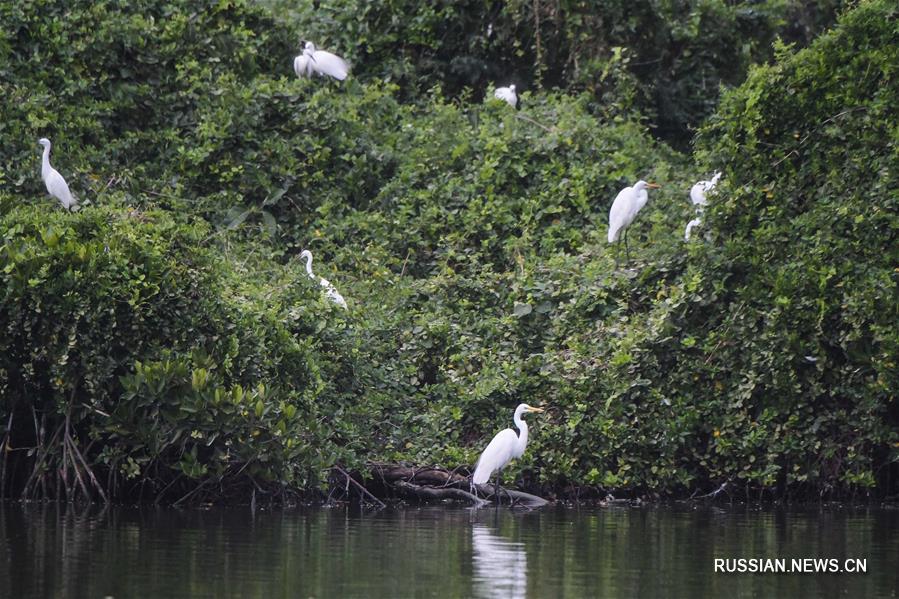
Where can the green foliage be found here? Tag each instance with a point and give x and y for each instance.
(121, 326)
(663, 60)
(169, 331)
(806, 246)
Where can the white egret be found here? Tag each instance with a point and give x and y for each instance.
(627, 204)
(330, 291)
(302, 66)
(693, 223)
(504, 447)
(700, 188)
(507, 94)
(56, 185)
(321, 62)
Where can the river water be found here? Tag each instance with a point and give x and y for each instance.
(65, 551)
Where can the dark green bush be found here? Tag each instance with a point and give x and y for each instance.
(769, 361)
(168, 335)
(664, 60)
(123, 332)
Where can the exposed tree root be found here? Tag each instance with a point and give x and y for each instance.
(439, 494)
(73, 474)
(513, 498)
(439, 484)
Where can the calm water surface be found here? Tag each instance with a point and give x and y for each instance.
(61, 551)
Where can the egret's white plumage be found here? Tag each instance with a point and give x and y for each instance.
(700, 201)
(330, 291)
(701, 188)
(504, 447)
(627, 204)
(56, 185)
(507, 94)
(690, 225)
(321, 62)
(302, 66)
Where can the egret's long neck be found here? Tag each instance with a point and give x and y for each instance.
(45, 162)
(522, 435)
(309, 265)
(642, 198)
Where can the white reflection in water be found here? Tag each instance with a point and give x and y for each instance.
(500, 565)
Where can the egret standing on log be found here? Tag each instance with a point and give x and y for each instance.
(504, 447)
(507, 94)
(321, 62)
(627, 204)
(330, 290)
(56, 185)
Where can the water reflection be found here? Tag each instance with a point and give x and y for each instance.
(53, 550)
(500, 565)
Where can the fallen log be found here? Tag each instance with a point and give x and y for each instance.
(439, 494)
(515, 498)
(438, 484)
(427, 476)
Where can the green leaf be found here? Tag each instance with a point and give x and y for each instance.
(522, 309)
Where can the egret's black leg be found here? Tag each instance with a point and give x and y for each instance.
(627, 251)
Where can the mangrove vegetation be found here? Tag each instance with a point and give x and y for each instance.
(164, 343)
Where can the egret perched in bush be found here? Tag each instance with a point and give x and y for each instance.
(700, 188)
(507, 94)
(302, 66)
(698, 197)
(321, 62)
(504, 447)
(330, 290)
(56, 185)
(627, 204)
(690, 225)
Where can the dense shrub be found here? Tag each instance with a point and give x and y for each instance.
(769, 362)
(167, 334)
(123, 335)
(663, 60)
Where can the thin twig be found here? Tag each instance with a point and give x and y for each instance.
(5, 448)
(790, 153)
(716, 492)
(406, 261)
(200, 486)
(533, 122)
(363, 489)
